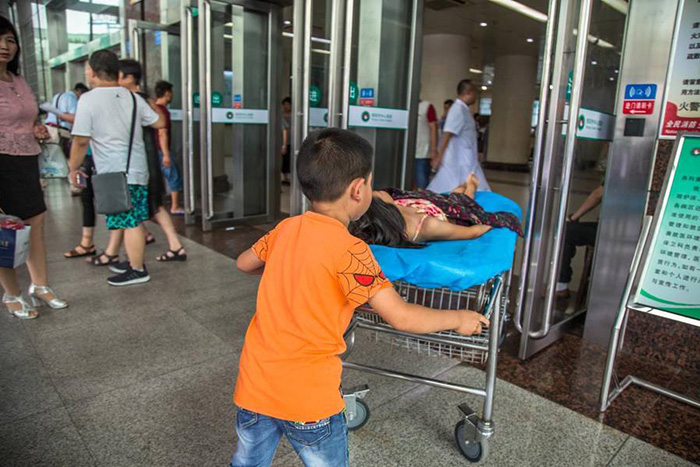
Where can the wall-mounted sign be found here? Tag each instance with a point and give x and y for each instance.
(195, 99)
(681, 109)
(367, 97)
(375, 117)
(592, 124)
(314, 96)
(670, 280)
(216, 99)
(318, 117)
(639, 99)
(354, 91)
(243, 116)
(237, 101)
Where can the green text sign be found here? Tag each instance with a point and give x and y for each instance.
(314, 96)
(670, 279)
(354, 93)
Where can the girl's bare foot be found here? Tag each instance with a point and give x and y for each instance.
(472, 185)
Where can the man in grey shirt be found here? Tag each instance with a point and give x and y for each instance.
(103, 120)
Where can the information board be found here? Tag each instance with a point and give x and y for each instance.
(681, 109)
(376, 117)
(670, 279)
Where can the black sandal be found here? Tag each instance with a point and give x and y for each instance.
(176, 256)
(150, 239)
(96, 261)
(87, 251)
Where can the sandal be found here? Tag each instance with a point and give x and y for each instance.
(75, 253)
(97, 261)
(150, 239)
(173, 255)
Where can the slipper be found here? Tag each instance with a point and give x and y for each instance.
(87, 251)
(178, 212)
(175, 255)
(150, 239)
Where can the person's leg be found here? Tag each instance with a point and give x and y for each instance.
(258, 438)
(135, 243)
(163, 219)
(320, 444)
(174, 180)
(421, 168)
(36, 260)
(175, 202)
(8, 281)
(577, 234)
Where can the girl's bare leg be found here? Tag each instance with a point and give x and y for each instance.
(472, 185)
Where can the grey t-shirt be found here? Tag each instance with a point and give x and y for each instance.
(104, 115)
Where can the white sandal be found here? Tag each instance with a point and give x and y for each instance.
(26, 312)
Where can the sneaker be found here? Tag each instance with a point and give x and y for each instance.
(120, 268)
(130, 277)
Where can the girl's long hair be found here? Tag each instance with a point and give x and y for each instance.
(382, 224)
(5, 27)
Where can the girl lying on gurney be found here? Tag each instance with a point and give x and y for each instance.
(406, 219)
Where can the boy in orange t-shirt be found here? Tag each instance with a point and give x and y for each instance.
(314, 274)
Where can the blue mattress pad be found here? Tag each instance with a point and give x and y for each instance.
(455, 264)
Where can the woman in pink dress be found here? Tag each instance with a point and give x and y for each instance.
(20, 188)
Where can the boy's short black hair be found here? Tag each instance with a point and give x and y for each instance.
(80, 87)
(130, 67)
(287, 100)
(465, 85)
(449, 102)
(162, 87)
(329, 160)
(105, 64)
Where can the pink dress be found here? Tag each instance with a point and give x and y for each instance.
(18, 112)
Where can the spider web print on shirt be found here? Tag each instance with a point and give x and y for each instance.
(362, 275)
(261, 247)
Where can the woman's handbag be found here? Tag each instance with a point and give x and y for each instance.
(111, 189)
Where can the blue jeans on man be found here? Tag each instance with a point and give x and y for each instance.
(171, 174)
(421, 173)
(320, 444)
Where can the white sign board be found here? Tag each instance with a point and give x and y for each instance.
(377, 117)
(592, 124)
(218, 115)
(681, 107)
(318, 117)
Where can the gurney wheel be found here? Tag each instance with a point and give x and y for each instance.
(474, 451)
(361, 416)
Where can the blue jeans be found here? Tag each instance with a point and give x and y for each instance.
(171, 174)
(421, 173)
(320, 444)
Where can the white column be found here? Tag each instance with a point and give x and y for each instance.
(445, 63)
(511, 109)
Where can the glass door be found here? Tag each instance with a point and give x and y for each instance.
(356, 65)
(238, 106)
(579, 85)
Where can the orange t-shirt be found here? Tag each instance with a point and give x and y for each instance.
(316, 274)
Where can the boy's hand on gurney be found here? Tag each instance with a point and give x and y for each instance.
(471, 323)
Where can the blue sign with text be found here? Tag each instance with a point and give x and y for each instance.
(367, 93)
(640, 91)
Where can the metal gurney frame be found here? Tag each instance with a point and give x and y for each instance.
(472, 432)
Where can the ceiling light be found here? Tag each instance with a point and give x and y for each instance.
(484, 88)
(612, 78)
(619, 5)
(593, 62)
(530, 39)
(617, 71)
(287, 22)
(483, 24)
(228, 25)
(474, 70)
(490, 82)
(522, 9)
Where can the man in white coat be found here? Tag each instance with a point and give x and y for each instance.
(458, 155)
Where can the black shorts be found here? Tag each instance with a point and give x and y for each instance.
(20, 189)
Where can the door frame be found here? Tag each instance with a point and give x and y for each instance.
(205, 112)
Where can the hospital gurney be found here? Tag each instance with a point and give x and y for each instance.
(469, 274)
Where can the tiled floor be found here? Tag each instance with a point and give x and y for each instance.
(143, 376)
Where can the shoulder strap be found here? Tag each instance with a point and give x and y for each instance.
(58, 99)
(131, 133)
